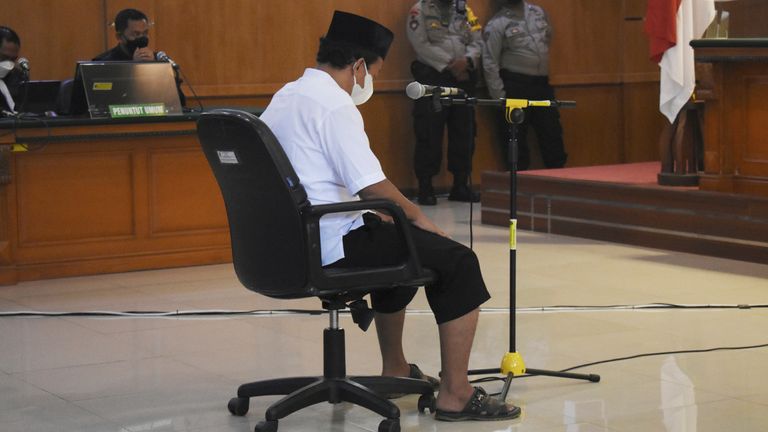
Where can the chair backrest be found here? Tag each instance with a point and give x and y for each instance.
(64, 99)
(263, 198)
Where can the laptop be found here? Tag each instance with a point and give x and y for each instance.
(120, 89)
(38, 97)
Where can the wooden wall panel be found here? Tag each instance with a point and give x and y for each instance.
(489, 143)
(600, 108)
(748, 18)
(251, 47)
(92, 194)
(636, 65)
(390, 129)
(642, 121)
(389, 115)
(585, 45)
(54, 34)
(239, 52)
(634, 9)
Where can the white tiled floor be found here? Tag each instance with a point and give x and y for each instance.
(104, 375)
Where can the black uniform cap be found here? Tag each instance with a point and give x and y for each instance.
(361, 32)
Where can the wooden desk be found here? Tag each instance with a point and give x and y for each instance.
(100, 196)
(736, 114)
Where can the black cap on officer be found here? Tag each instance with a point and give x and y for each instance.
(361, 32)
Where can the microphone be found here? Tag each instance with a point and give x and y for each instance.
(416, 90)
(24, 65)
(162, 56)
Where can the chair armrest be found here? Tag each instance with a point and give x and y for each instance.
(378, 204)
(409, 272)
(390, 207)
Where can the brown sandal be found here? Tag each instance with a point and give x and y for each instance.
(481, 407)
(416, 373)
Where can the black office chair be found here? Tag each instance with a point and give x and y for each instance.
(64, 98)
(276, 252)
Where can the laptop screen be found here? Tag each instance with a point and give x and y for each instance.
(38, 96)
(128, 89)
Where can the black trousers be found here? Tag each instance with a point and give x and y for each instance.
(458, 288)
(430, 126)
(545, 121)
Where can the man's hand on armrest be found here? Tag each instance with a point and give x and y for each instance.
(386, 190)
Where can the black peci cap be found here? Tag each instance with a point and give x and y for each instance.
(361, 32)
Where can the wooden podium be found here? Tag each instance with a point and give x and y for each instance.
(735, 115)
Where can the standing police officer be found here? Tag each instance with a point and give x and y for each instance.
(447, 39)
(516, 66)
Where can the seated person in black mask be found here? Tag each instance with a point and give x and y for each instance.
(132, 33)
(11, 75)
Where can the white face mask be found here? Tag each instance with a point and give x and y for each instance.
(360, 95)
(5, 68)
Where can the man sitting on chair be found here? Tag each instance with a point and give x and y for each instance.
(317, 123)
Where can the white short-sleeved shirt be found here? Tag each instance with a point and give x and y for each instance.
(322, 133)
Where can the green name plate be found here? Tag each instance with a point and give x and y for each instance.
(138, 110)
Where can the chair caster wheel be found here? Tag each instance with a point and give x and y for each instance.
(427, 402)
(238, 406)
(266, 426)
(389, 425)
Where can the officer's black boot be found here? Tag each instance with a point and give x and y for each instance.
(461, 191)
(426, 192)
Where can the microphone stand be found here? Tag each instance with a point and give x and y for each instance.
(25, 74)
(512, 364)
(26, 90)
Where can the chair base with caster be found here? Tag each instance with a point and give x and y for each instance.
(333, 387)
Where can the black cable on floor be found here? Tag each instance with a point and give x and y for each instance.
(693, 351)
(164, 314)
(262, 312)
(617, 359)
(205, 313)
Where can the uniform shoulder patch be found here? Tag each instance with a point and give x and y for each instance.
(433, 23)
(474, 23)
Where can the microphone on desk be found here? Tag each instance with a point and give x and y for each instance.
(24, 65)
(417, 90)
(162, 56)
